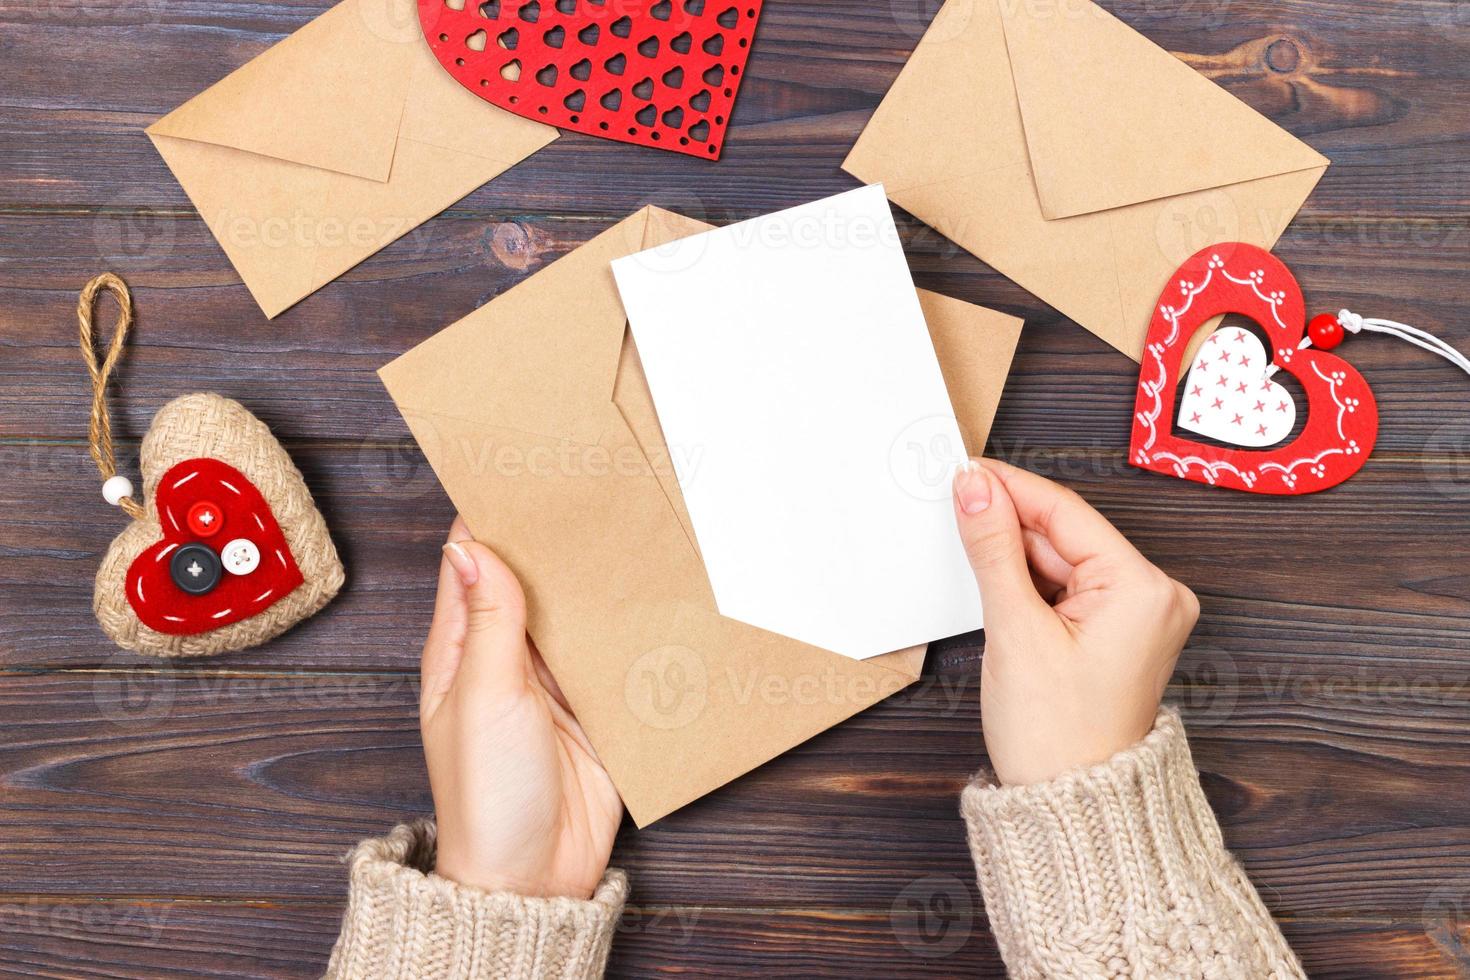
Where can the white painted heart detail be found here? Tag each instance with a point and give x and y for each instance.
(1229, 396)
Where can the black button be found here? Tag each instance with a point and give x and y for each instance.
(196, 569)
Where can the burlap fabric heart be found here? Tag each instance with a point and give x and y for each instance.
(302, 576)
(228, 549)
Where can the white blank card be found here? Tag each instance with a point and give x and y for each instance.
(788, 357)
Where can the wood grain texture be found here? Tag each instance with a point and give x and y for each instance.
(172, 940)
(187, 820)
(1273, 585)
(311, 371)
(214, 784)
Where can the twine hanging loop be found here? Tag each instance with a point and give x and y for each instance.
(117, 490)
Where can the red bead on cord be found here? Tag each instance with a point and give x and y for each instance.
(1326, 332)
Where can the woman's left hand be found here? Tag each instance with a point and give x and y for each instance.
(523, 804)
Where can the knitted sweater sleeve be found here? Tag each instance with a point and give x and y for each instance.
(1119, 871)
(405, 923)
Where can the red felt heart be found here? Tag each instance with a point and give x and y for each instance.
(660, 73)
(1342, 416)
(236, 510)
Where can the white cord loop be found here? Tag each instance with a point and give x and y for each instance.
(1353, 323)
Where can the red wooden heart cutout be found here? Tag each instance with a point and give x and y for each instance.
(660, 73)
(1342, 416)
(240, 513)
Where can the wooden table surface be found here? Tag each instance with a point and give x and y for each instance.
(161, 820)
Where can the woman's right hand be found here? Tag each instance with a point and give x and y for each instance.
(1081, 631)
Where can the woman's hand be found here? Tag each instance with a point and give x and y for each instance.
(1081, 631)
(522, 802)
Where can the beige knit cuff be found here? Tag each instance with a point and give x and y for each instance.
(404, 923)
(1119, 867)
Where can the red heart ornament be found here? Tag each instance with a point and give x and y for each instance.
(660, 73)
(214, 476)
(210, 502)
(1342, 416)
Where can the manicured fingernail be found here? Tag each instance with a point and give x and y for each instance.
(972, 487)
(464, 565)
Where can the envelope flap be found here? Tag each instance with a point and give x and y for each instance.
(441, 112)
(329, 96)
(541, 357)
(975, 347)
(1112, 119)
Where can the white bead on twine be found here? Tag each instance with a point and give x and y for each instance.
(115, 489)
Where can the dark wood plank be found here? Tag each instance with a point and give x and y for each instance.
(237, 785)
(1291, 599)
(163, 940)
(160, 940)
(157, 940)
(1387, 68)
(311, 373)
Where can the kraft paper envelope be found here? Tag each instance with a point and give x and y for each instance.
(1077, 157)
(536, 416)
(332, 144)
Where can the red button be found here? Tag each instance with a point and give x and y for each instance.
(205, 518)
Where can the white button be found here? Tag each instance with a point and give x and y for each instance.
(240, 556)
